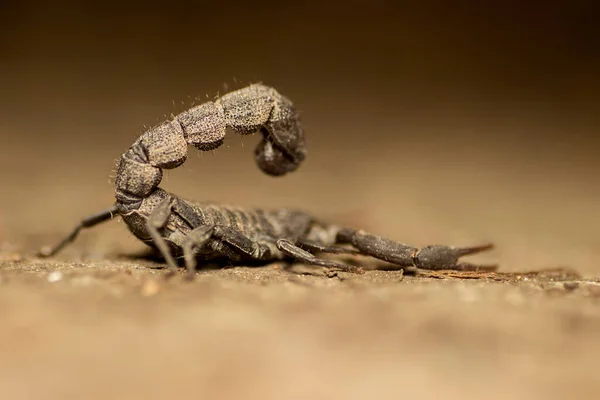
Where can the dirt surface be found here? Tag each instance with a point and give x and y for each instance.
(461, 126)
(116, 329)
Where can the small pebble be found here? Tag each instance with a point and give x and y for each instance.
(150, 288)
(54, 276)
(571, 285)
(45, 251)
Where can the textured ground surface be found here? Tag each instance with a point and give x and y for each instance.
(109, 329)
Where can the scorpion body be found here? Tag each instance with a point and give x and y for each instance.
(201, 231)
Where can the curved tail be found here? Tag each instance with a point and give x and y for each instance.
(255, 108)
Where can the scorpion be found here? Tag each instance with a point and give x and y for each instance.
(208, 232)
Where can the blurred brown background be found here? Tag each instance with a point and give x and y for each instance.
(433, 121)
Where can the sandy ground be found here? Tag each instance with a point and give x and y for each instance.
(115, 329)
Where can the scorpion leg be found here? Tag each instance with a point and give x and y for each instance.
(290, 249)
(87, 222)
(429, 257)
(236, 241)
(197, 238)
(315, 247)
(157, 220)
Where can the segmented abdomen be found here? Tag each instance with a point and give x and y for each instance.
(282, 223)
